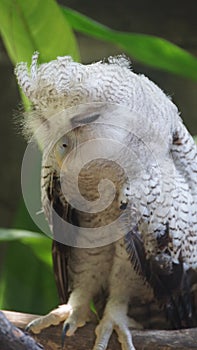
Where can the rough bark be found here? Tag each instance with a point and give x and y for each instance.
(84, 338)
(12, 338)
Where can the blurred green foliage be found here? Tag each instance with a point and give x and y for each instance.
(26, 278)
(150, 50)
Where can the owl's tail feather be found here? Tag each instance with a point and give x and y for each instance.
(180, 308)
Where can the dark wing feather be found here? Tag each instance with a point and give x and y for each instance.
(171, 285)
(60, 261)
(60, 252)
(135, 249)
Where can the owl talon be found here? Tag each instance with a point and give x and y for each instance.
(27, 328)
(65, 329)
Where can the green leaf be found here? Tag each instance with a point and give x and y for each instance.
(93, 309)
(39, 243)
(27, 281)
(150, 50)
(28, 26)
(7, 234)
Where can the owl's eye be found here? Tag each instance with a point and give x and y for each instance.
(60, 149)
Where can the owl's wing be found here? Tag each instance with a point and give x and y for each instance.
(184, 153)
(52, 203)
(168, 268)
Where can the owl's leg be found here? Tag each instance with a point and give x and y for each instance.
(75, 314)
(80, 314)
(115, 319)
(122, 285)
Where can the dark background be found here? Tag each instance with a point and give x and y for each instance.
(175, 21)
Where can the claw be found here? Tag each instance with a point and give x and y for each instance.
(27, 328)
(65, 329)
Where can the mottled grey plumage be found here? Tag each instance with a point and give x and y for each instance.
(151, 262)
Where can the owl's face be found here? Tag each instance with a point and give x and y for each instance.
(89, 157)
(91, 144)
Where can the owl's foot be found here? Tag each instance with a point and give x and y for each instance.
(118, 321)
(73, 318)
(52, 318)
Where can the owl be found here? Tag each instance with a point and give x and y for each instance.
(119, 192)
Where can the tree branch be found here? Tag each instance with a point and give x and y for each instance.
(85, 336)
(12, 338)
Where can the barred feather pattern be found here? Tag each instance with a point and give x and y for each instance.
(63, 83)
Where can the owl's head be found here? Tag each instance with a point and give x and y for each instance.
(55, 87)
